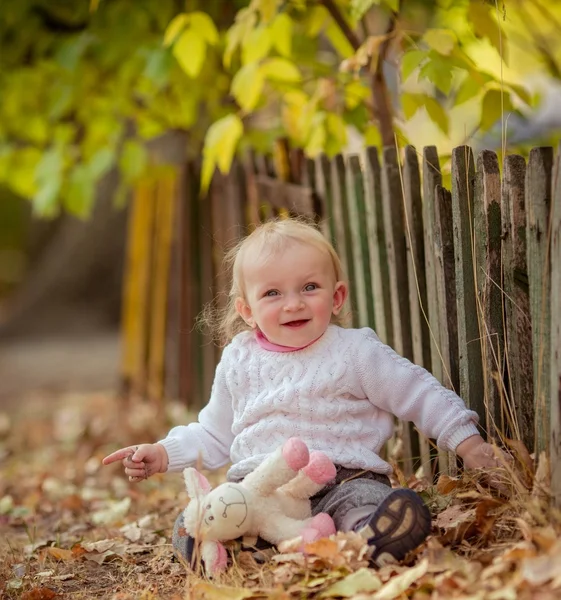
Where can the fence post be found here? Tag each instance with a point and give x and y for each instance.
(358, 235)
(538, 204)
(376, 235)
(344, 244)
(415, 246)
(555, 430)
(471, 371)
(518, 334)
(487, 240)
(446, 303)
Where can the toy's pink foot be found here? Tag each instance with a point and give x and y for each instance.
(320, 469)
(323, 524)
(296, 453)
(220, 559)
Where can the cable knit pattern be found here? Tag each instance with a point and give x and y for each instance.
(339, 395)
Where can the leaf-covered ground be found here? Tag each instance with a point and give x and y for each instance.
(70, 528)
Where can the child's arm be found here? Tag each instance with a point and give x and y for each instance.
(208, 440)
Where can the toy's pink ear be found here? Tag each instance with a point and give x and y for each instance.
(197, 484)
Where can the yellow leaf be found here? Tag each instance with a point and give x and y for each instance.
(247, 86)
(372, 137)
(338, 40)
(294, 115)
(190, 50)
(484, 25)
(336, 127)
(256, 45)
(437, 114)
(205, 27)
(397, 585)
(220, 144)
(315, 20)
(209, 591)
(410, 103)
(267, 8)
(281, 69)
(176, 26)
(245, 21)
(363, 580)
(493, 108)
(281, 31)
(441, 40)
(355, 93)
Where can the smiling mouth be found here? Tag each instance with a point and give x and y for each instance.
(295, 324)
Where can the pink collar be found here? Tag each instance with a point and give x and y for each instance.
(267, 345)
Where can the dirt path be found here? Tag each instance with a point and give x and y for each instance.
(85, 362)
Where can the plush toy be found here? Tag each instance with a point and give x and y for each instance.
(272, 502)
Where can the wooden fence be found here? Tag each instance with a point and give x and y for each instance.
(465, 282)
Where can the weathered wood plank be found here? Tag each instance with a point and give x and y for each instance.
(342, 231)
(357, 230)
(397, 254)
(415, 247)
(377, 249)
(487, 221)
(282, 195)
(431, 178)
(471, 370)
(538, 205)
(443, 262)
(518, 337)
(394, 223)
(555, 377)
(325, 192)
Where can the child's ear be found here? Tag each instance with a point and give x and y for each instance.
(340, 294)
(244, 310)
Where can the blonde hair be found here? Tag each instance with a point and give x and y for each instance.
(223, 323)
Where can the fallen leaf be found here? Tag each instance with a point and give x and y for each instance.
(208, 591)
(447, 484)
(324, 548)
(363, 580)
(399, 584)
(60, 553)
(39, 593)
(113, 513)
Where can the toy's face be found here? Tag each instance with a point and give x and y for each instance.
(223, 514)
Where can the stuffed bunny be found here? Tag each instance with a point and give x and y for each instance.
(272, 502)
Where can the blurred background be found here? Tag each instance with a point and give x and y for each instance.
(95, 101)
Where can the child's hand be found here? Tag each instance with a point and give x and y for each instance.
(478, 454)
(140, 461)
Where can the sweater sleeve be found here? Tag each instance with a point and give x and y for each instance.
(209, 439)
(411, 393)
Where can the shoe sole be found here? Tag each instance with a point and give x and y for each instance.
(400, 524)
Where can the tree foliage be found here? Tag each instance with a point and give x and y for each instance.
(86, 83)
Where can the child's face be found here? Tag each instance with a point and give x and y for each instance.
(291, 295)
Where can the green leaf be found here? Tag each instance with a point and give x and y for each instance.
(190, 50)
(133, 160)
(438, 70)
(281, 32)
(256, 45)
(437, 114)
(341, 44)
(441, 40)
(521, 92)
(362, 581)
(267, 8)
(219, 147)
(336, 128)
(176, 26)
(315, 144)
(281, 69)
(411, 60)
(48, 176)
(80, 194)
(494, 107)
(468, 89)
(204, 26)
(484, 25)
(101, 162)
(410, 104)
(360, 7)
(393, 5)
(247, 86)
(372, 136)
(355, 93)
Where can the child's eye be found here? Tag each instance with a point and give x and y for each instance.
(310, 287)
(271, 293)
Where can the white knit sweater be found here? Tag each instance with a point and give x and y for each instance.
(339, 395)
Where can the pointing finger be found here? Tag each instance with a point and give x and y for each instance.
(119, 455)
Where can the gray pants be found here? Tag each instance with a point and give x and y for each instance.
(352, 495)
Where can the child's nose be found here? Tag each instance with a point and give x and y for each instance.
(293, 302)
